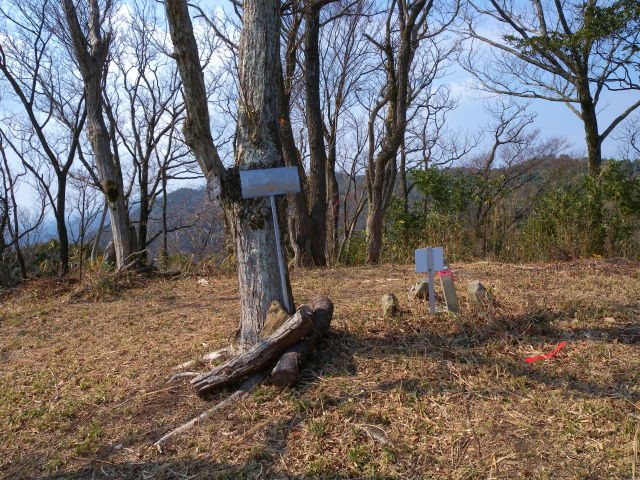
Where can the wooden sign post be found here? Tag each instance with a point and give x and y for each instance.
(430, 260)
(271, 182)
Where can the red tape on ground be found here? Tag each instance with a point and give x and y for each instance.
(544, 357)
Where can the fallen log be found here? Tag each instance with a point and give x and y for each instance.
(260, 355)
(286, 371)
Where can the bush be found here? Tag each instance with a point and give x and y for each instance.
(579, 217)
(591, 217)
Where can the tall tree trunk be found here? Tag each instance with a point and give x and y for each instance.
(258, 146)
(404, 191)
(318, 155)
(299, 223)
(382, 171)
(590, 121)
(334, 199)
(96, 242)
(143, 218)
(61, 226)
(91, 55)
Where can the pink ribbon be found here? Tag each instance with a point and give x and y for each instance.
(544, 357)
(442, 273)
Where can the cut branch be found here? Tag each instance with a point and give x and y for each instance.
(258, 357)
(287, 369)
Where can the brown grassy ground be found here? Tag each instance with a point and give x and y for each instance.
(83, 390)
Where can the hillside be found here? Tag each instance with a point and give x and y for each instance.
(84, 386)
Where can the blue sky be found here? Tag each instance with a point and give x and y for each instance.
(553, 118)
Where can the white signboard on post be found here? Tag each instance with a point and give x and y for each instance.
(269, 182)
(430, 260)
(422, 262)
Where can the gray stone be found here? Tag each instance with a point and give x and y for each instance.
(390, 305)
(477, 293)
(109, 256)
(449, 291)
(420, 291)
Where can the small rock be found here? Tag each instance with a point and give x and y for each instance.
(420, 291)
(610, 320)
(203, 281)
(390, 305)
(477, 293)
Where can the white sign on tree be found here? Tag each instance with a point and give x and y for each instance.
(430, 260)
(271, 182)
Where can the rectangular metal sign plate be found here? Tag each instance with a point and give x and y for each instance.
(422, 263)
(269, 181)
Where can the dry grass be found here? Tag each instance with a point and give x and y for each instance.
(83, 392)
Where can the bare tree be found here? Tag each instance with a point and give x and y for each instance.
(629, 139)
(429, 141)
(33, 63)
(16, 228)
(407, 25)
(90, 45)
(351, 163)
(83, 212)
(299, 221)
(257, 146)
(144, 108)
(513, 157)
(347, 64)
(548, 50)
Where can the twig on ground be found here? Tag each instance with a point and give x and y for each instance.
(248, 385)
(209, 357)
(222, 353)
(183, 365)
(182, 375)
(373, 434)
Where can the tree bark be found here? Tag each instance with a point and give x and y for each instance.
(318, 155)
(258, 147)
(91, 55)
(258, 357)
(299, 223)
(61, 226)
(590, 122)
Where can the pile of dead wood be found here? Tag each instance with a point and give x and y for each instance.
(285, 341)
